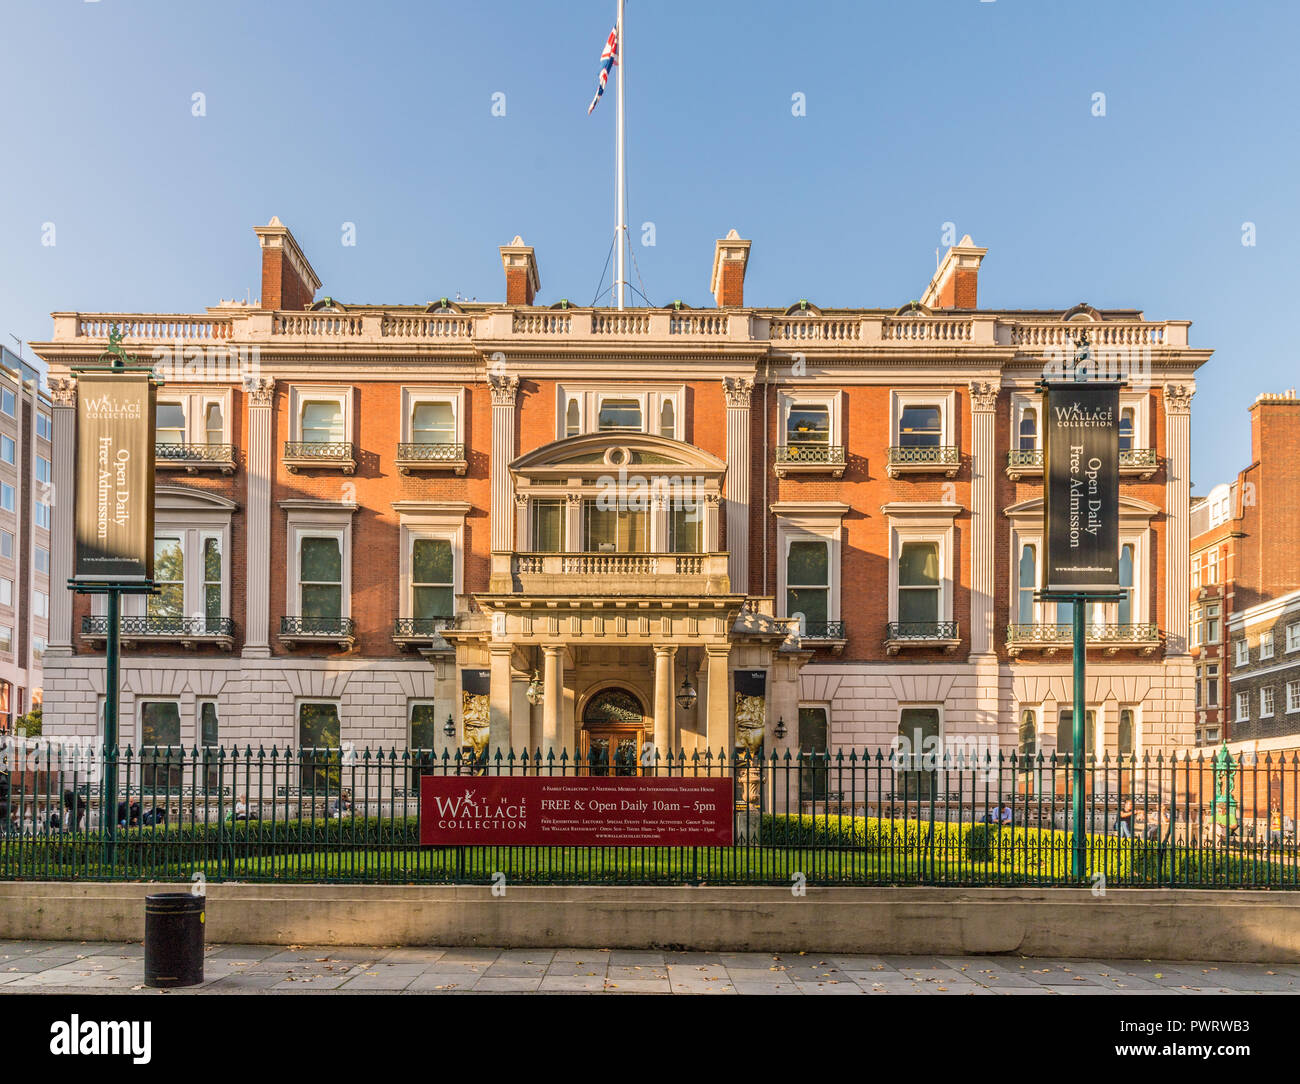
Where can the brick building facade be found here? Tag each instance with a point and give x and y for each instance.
(557, 527)
(1245, 554)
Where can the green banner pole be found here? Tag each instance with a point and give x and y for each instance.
(1079, 861)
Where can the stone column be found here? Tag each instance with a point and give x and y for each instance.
(504, 391)
(553, 700)
(257, 545)
(664, 659)
(983, 404)
(717, 726)
(499, 706)
(738, 391)
(63, 393)
(1178, 464)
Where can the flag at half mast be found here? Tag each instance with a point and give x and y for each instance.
(608, 58)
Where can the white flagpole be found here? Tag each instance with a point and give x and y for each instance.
(621, 237)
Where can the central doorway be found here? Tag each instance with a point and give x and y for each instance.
(613, 725)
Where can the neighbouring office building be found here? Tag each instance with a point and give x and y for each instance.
(26, 500)
(548, 526)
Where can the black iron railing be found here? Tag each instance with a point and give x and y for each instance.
(326, 451)
(921, 630)
(160, 626)
(417, 627)
(431, 453)
(194, 453)
(954, 815)
(823, 630)
(1032, 458)
(924, 455)
(324, 627)
(829, 454)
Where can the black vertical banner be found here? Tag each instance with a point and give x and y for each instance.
(1081, 487)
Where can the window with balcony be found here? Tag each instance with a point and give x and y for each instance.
(923, 435)
(807, 582)
(549, 522)
(320, 578)
(1065, 732)
(320, 430)
(918, 583)
(614, 530)
(169, 577)
(192, 433)
(811, 438)
(1125, 606)
(432, 437)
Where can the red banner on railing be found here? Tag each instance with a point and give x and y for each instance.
(680, 811)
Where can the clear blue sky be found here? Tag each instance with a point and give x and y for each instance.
(920, 113)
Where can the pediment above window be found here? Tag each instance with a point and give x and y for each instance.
(1130, 508)
(183, 499)
(599, 453)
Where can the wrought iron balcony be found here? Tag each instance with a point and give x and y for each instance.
(810, 458)
(1029, 461)
(901, 634)
(1111, 637)
(326, 454)
(189, 631)
(431, 457)
(822, 630)
(925, 458)
(339, 630)
(193, 458)
(415, 631)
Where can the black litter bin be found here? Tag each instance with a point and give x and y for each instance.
(173, 939)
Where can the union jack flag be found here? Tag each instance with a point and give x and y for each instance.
(608, 58)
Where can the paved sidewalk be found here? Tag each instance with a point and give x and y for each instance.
(72, 967)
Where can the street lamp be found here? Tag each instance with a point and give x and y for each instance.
(780, 727)
(686, 695)
(449, 727)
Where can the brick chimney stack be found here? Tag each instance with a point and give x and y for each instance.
(955, 283)
(1275, 455)
(730, 258)
(288, 281)
(522, 280)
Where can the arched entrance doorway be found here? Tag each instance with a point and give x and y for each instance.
(613, 723)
